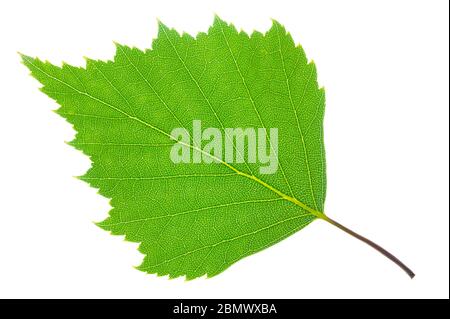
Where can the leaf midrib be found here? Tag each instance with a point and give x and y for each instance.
(291, 199)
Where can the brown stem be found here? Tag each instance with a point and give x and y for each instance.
(373, 245)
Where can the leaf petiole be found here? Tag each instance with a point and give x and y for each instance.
(377, 247)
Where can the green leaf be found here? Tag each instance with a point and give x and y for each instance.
(194, 219)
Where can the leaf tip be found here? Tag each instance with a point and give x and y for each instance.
(25, 59)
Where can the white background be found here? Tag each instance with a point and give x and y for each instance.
(384, 65)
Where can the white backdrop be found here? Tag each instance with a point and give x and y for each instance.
(384, 65)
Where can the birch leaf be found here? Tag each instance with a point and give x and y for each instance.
(193, 219)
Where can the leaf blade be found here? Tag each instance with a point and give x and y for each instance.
(108, 104)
